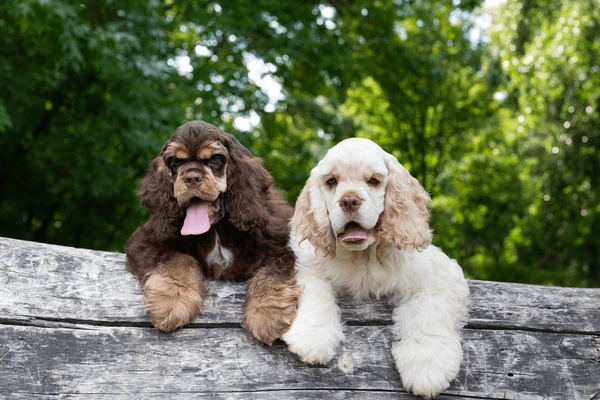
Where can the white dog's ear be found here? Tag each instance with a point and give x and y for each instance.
(405, 218)
(311, 218)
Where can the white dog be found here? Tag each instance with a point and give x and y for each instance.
(361, 226)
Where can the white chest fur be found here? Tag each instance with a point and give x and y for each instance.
(220, 258)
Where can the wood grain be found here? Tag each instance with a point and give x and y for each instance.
(72, 326)
(109, 360)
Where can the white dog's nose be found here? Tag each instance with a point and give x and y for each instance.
(350, 203)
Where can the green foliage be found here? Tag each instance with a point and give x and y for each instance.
(90, 91)
(551, 61)
(85, 102)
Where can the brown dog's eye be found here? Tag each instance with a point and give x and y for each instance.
(373, 182)
(216, 161)
(174, 163)
(331, 182)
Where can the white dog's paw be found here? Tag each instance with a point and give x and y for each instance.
(427, 366)
(427, 383)
(313, 346)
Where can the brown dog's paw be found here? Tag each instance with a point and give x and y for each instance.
(270, 308)
(174, 297)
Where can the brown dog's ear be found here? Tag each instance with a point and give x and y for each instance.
(156, 190)
(311, 218)
(405, 219)
(248, 187)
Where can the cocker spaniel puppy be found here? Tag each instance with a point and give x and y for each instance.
(361, 226)
(214, 213)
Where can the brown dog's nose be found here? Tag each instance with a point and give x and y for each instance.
(193, 179)
(350, 202)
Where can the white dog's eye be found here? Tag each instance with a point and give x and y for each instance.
(373, 182)
(331, 182)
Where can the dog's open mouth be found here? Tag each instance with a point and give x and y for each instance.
(353, 233)
(196, 220)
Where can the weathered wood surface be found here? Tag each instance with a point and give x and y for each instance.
(72, 326)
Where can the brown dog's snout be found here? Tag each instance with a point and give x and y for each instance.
(350, 203)
(193, 179)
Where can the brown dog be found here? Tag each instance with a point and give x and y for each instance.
(214, 213)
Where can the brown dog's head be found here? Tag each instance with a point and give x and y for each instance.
(203, 174)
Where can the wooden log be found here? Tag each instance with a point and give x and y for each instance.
(108, 360)
(112, 360)
(93, 286)
(72, 324)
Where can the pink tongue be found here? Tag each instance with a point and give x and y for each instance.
(354, 232)
(196, 220)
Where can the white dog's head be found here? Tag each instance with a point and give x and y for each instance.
(359, 194)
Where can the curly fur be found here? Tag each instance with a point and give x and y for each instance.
(247, 238)
(310, 219)
(405, 218)
(361, 227)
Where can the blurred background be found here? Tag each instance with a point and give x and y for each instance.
(493, 106)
